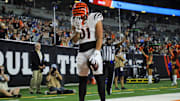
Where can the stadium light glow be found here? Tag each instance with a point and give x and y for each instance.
(76, 1)
(138, 7)
(143, 11)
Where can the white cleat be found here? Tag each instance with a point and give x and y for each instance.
(174, 84)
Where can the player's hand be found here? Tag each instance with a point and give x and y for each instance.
(94, 57)
(78, 24)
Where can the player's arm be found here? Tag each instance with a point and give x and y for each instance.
(99, 38)
(76, 36)
(99, 35)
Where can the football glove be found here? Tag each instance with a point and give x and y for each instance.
(78, 24)
(94, 57)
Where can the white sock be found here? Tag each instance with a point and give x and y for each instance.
(175, 79)
(150, 79)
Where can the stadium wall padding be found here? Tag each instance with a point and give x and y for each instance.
(15, 57)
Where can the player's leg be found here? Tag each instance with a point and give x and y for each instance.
(82, 87)
(83, 71)
(100, 78)
(101, 86)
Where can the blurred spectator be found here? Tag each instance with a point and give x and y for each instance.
(13, 37)
(58, 38)
(23, 38)
(4, 89)
(133, 19)
(3, 30)
(27, 38)
(33, 29)
(18, 36)
(3, 9)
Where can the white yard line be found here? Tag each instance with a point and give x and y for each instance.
(153, 90)
(44, 98)
(9, 100)
(92, 95)
(123, 92)
(160, 97)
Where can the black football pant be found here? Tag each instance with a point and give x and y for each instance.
(109, 75)
(83, 86)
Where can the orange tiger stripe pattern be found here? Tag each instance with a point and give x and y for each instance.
(80, 9)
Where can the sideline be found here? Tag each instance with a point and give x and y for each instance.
(159, 97)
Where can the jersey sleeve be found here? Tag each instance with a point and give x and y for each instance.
(97, 17)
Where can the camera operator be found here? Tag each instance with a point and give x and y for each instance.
(4, 89)
(53, 82)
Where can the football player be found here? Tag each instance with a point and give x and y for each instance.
(88, 31)
(174, 57)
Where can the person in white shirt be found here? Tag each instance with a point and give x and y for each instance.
(4, 89)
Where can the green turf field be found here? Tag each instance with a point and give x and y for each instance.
(133, 90)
